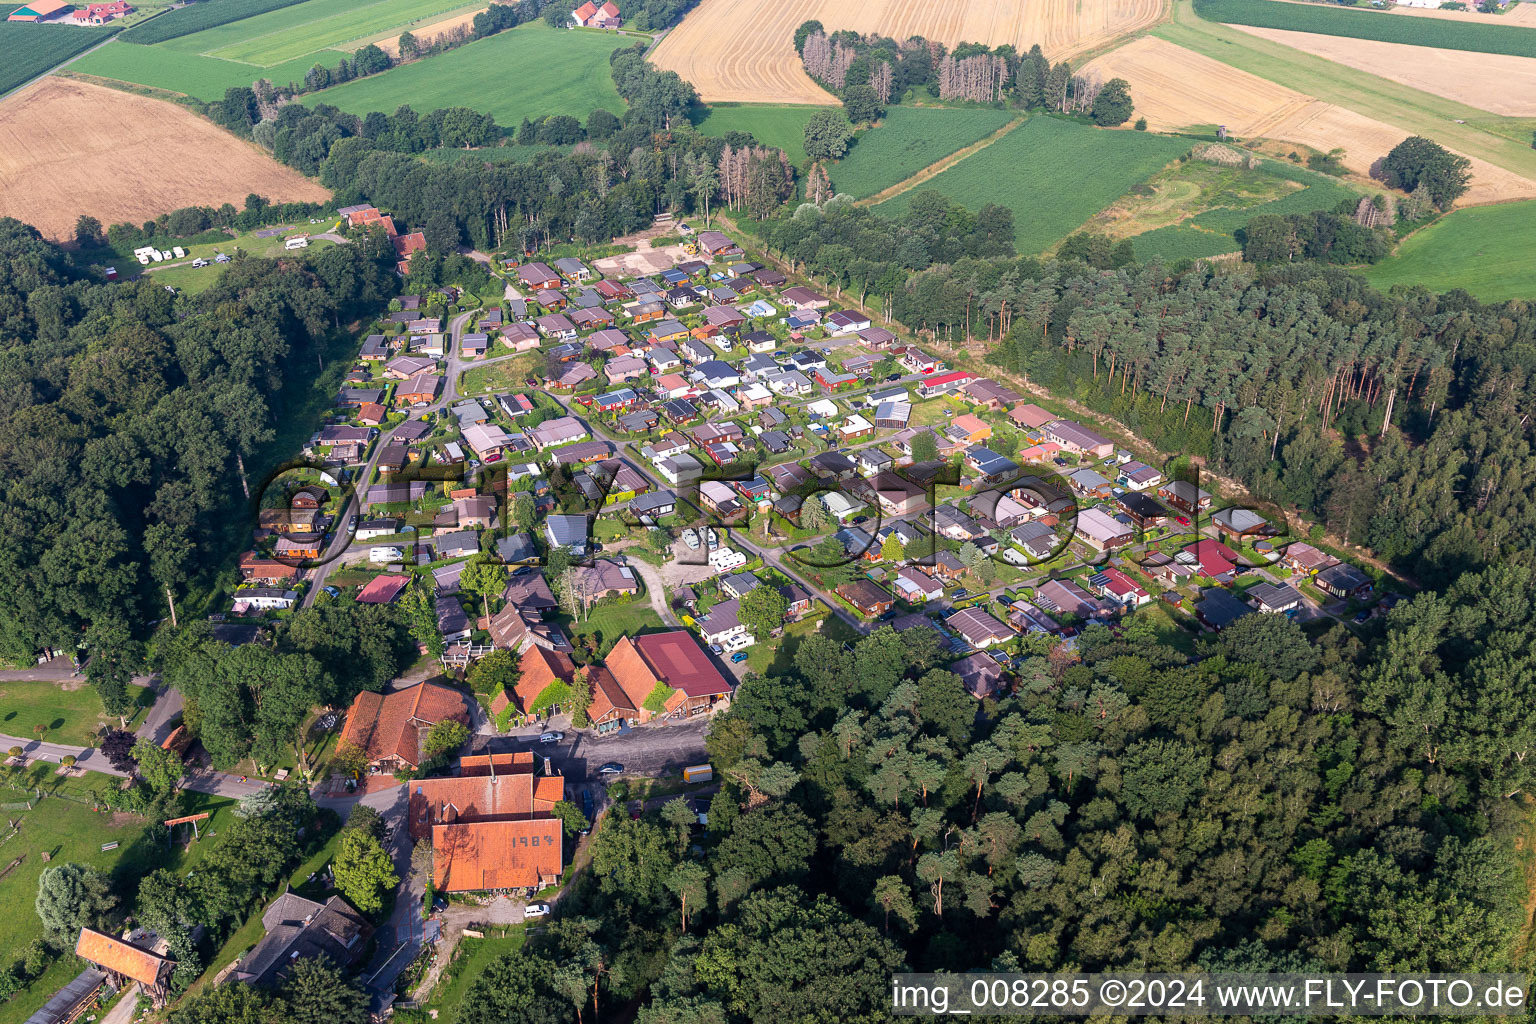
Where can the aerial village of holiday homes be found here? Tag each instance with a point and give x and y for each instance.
(634, 437)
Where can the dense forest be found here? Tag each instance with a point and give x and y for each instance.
(1277, 805)
(130, 411)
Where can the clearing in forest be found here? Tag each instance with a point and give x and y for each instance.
(1486, 250)
(743, 50)
(1495, 82)
(68, 148)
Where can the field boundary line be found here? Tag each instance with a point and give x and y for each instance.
(60, 66)
(938, 167)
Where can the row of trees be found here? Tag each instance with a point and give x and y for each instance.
(870, 71)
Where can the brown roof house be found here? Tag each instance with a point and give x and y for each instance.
(298, 928)
(390, 727)
(672, 661)
(869, 598)
(122, 961)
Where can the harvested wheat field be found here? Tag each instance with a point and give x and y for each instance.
(1174, 88)
(1495, 82)
(68, 148)
(424, 35)
(743, 50)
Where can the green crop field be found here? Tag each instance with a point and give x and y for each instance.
(197, 17)
(1359, 24)
(908, 140)
(1180, 242)
(31, 50)
(782, 127)
(530, 71)
(1053, 173)
(292, 32)
(1485, 249)
(203, 77)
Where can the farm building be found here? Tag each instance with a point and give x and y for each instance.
(41, 10)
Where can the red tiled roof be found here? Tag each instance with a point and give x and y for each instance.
(585, 11)
(513, 792)
(540, 668)
(495, 854)
(676, 659)
(1216, 559)
(383, 589)
(123, 957)
(390, 724)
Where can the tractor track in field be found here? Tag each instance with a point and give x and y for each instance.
(937, 168)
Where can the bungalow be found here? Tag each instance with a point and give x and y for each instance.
(537, 276)
(557, 325)
(917, 587)
(979, 628)
(1184, 496)
(569, 532)
(949, 522)
(383, 589)
(877, 338)
(421, 389)
(487, 439)
(644, 311)
(625, 368)
(717, 244)
(833, 464)
(695, 351)
(847, 322)
(991, 394)
(1142, 510)
(830, 380)
(406, 367)
(968, 429)
(613, 291)
(1274, 599)
(942, 565)
(574, 376)
(1214, 558)
(788, 476)
(754, 396)
(767, 277)
(759, 342)
(681, 410)
(719, 497)
(265, 598)
(855, 427)
(839, 505)
(1102, 530)
(1167, 570)
(980, 674)
(1138, 476)
(563, 430)
(426, 325)
(942, 384)
(716, 373)
(722, 626)
(458, 544)
(1305, 558)
(1067, 598)
(680, 469)
(1036, 540)
(723, 317)
(1114, 585)
(572, 269)
(515, 406)
(1240, 523)
(804, 298)
(790, 382)
(918, 361)
(776, 441)
(623, 398)
(800, 600)
(1343, 580)
(870, 599)
(896, 495)
(520, 337)
(582, 451)
(1219, 608)
(800, 320)
(1030, 417)
(653, 505)
(872, 460)
(1090, 484)
(1075, 437)
(592, 317)
(370, 529)
(989, 465)
(665, 447)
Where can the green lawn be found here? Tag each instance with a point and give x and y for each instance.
(530, 71)
(1366, 24)
(291, 32)
(1485, 249)
(30, 49)
(71, 716)
(609, 622)
(909, 139)
(1396, 104)
(70, 832)
(1053, 173)
(779, 126)
(470, 959)
(197, 17)
(205, 78)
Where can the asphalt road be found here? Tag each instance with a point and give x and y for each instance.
(646, 750)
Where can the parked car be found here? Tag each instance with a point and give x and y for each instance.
(716, 649)
(892, 377)
(333, 591)
(552, 737)
(962, 592)
(199, 262)
(738, 657)
(539, 909)
(1182, 520)
(1363, 614)
(611, 768)
(222, 258)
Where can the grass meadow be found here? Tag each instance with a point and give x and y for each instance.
(529, 71)
(1356, 24)
(1053, 173)
(781, 127)
(906, 141)
(292, 32)
(1485, 249)
(205, 78)
(197, 17)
